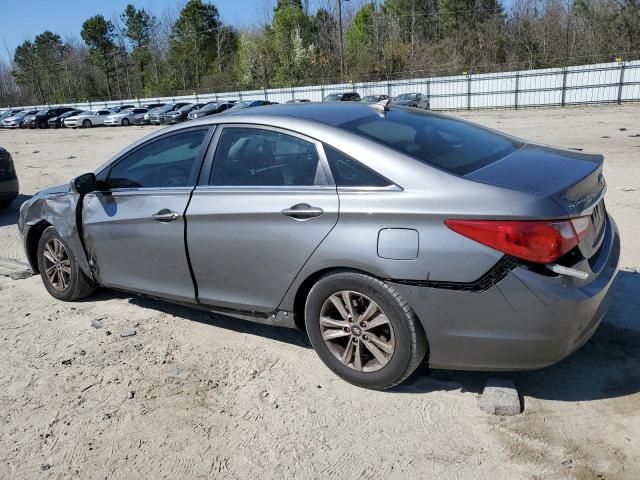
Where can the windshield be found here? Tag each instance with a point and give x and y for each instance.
(186, 108)
(371, 98)
(240, 105)
(451, 145)
(207, 107)
(407, 96)
(21, 114)
(334, 97)
(42, 112)
(164, 108)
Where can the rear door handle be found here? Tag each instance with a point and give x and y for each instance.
(165, 215)
(302, 211)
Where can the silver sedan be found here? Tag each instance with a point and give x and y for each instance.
(124, 117)
(391, 235)
(87, 119)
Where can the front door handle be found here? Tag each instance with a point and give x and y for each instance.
(302, 211)
(165, 215)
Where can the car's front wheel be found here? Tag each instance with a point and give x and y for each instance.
(59, 269)
(363, 330)
(86, 123)
(125, 122)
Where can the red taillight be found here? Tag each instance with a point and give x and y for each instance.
(534, 241)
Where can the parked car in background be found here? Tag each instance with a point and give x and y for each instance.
(342, 97)
(58, 122)
(298, 100)
(87, 119)
(374, 98)
(156, 115)
(249, 104)
(124, 117)
(9, 113)
(211, 108)
(179, 115)
(151, 106)
(119, 108)
(386, 233)
(143, 118)
(17, 120)
(9, 186)
(41, 118)
(416, 100)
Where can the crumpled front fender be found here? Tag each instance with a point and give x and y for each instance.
(55, 207)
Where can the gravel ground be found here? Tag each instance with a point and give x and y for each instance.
(193, 395)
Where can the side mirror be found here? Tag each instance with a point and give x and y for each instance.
(84, 184)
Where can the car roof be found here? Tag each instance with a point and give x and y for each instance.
(329, 113)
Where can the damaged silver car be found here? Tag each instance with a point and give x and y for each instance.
(391, 234)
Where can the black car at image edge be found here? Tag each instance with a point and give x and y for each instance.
(9, 186)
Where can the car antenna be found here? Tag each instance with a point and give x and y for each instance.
(381, 107)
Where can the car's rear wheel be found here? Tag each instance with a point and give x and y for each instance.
(59, 269)
(125, 122)
(86, 123)
(363, 330)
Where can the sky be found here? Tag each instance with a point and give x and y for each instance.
(24, 19)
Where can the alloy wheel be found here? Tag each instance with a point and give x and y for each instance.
(356, 331)
(57, 264)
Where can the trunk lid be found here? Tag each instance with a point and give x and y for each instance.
(573, 179)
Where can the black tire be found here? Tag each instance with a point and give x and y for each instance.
(79, 286)
(43, 125)
(410, 339)
(86, 123)
(125, 122)
(4, 204)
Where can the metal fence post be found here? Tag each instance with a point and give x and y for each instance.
(388, 87)
(469, 91)
(621, 82)
(564, 86)
(515, 101)
(429, 92)
(266, 95)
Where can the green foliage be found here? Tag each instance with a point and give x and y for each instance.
(139, 26)
(192, 43)
(141, 56)
(98, 34)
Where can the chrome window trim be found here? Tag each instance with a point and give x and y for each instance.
(388, 188)
(264, 189)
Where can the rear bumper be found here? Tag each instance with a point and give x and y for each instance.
(525, 321)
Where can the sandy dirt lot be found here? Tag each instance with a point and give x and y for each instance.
(195, 395)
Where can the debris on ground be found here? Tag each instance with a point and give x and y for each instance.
(500, 397)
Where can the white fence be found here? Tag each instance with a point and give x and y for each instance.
(584, 84)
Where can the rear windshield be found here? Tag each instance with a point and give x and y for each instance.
(451, 145)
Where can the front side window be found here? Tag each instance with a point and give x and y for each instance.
(168, 162)
(255, 157)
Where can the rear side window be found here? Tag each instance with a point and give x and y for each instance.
(348, 172)
(256, 157)
(451, 145)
